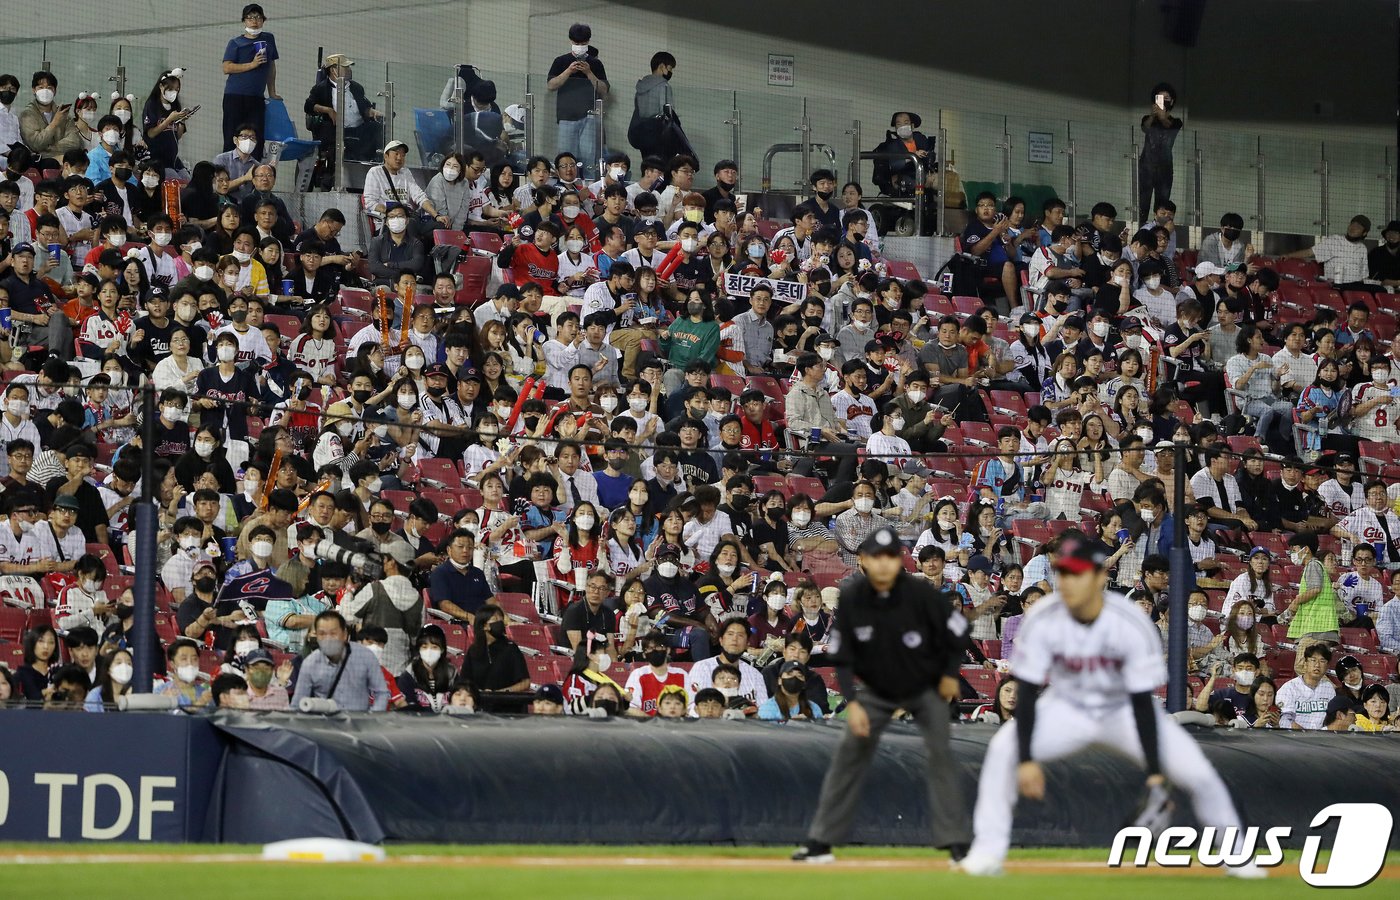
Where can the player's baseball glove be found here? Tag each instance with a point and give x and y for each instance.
(1155, 811)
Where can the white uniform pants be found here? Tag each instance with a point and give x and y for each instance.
(1062, 729)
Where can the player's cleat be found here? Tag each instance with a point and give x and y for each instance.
(1248, 871)
(957, 852)
(814, 852)
(977, 865)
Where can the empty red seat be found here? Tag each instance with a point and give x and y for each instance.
(476, 273)
(486, 240)
(902, 269)
(530, 638)
(449, 237)
(519, 606)
(762, 484)
(441, 474)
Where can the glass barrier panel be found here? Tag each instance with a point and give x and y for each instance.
(703, 113)
(1357, 184)
(1229, 180)
(143, 66)
(1039, 165)
(83, 67)
(830, 120)
(771, 119)
(1104, 164)
(1292, 185)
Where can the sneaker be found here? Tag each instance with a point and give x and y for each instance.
(814, 852)
(1248, 871)
(980, 866)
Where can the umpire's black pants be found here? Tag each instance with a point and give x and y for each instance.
(949, 816)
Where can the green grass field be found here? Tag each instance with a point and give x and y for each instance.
(515, 871)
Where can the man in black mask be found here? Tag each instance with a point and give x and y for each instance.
(1384, 261)
(1343, 256)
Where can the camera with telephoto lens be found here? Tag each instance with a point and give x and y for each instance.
(358, 554)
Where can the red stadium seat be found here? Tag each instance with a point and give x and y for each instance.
(732, 383)
(398, 499)
(448, 237)
(518, 605)
(769, 386)
(476, 273)
(287, 326)
(486, 240)
(762, 484)
(967, 306)
(12, 622)
(805, 485)
(904, 271)
(531, 638)
(441, 474)
(767, 228)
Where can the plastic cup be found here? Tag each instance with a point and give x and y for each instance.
(580, 578)
(54, 250)
(1122, 535)
(259, 47)
(1363, 608)
(287, 284)
(229, 544)
(816, 434)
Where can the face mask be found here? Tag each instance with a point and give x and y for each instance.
(162, 238)
(585, 523)
(451, 173)
(1296, 556)
(116, 238)
(574, 246)
(1152, 283)
(121, 673)
(125, 116)
(230, 280)
(1100, 329)
(122, 174)
(570, 212)
(252, 30)
(262, 549)
(897, 423)
(729, 692)
(374, 485)
(755, 251)
(414, 363)
(579, 50)
(667, 569)
(111, 136)
(496, 628)
(18, 408)
(44, 96)
(176, 414)
(242, 257)
(1244, 621)
(88, 116)
(695, 309)
(429, 656)
(204, 273)
(91, 585)
(169, 96)
(608, 402)
(801, 517)
(1147, 515)
(380, 528)
(656, 658)
(260, 677)
(331, 646)
(1031, 331)
(690, 245)
(1196, 613)
(793, 685)
(397, 224)
(826, 352)
(7, 97)
(1244, 679)
(905, 132)
(204, 449)
(360, 396)
(408, 401)
(1230, 233)
(152, 181)
(242, 647)
(227, 353)
(377, 650)
(1104, 258)
(187, 674)
(205, 585)
(637, 404)
(864, 504)
(1380, 376)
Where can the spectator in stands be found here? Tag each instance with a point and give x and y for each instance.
(1225, 247)
(1343, 256)
(789, 700)
(1303, 701)
(733, 640)
(494, 662)
(250, 62)
(1251, 375)
(229, 691)
(987, 237)
(363, 122)
(182, 657)
(264, 688)
(45, 127)
(581, 82)
(1313, 612)
(653, 98)
(113, 683)
(427, 681)
(339, 670)
(1383, 263)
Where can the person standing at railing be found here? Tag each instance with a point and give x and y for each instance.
(250, 62)
(1159, 132)
(580, 80)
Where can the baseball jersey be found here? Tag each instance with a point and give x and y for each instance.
(1093, 665)
(1341, 500)
(645, 687)
(1064, 491)
(855, 410)
(751, 685)
(1304, 705)
(1365, 524)
(1378, 424)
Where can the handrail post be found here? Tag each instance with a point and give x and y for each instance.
(734, 124)
(1005, 147)
(1133, 186)
(941, 207)
(529, 123)
(1072, 202)
(1198, 163)
(338, 176)
(919, 194)
(459, 114)
(388, 95)
(805, 129)
(1260, 180)
(1388, 177)
(1323, 171)
(853, 174)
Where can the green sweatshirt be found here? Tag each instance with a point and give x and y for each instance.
(689, 341)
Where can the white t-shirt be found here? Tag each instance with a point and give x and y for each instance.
(1340, 501)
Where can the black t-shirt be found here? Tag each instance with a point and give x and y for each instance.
(174, 441)
(1193, 359)
(578, 617)
(698, 467)
(190, 609)
(576, 95)
(92, 514)
(765, 533)
(1291, 505)
(899, 644)
(496, 666)
(1384, 265)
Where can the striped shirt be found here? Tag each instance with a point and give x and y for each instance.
(756, 338)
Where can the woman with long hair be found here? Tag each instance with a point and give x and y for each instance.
(672, 525)
(768, 536)
(1058, 391)
(226, 225)
(945, 533)
(492, 210)
(494, 663)
(725, 578)
(588, 672)
(163, 121)
(314, 349)
(113, 681)
(581, 550)
(1128, 414)
(987, 539)
(1321, 410)
(491, 340)
(427, 681)
(787, 702)
(41, 659)
(1029, 354)
(625, 551)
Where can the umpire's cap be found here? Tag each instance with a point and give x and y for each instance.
(882, 540)
(1081, 556)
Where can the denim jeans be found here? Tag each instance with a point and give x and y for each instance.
(580, 137)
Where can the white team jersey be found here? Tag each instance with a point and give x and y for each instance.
(1064, 491)
(1340, 502)
(1094, 665)
(1365, 524)
(1378, 424)
(1296, 701)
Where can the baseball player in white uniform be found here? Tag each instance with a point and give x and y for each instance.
(1097, 658)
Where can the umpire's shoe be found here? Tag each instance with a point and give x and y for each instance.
(814, 852)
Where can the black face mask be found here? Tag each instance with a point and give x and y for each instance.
(239, 316)
(531, 422)
(740, 501)
(825, 195)
(731, 657)
(657, 658)
(1392, 244)
(668, 75)
(380, 527)
(205, 585)
(1231, 233)
(813, 321)
(775, 512)
(437, 391)
(496, 628)
(7, 97)
(361, 396)
(607, 706)
(122, 174)
(793, 685)
(304, 392)
(125, 612)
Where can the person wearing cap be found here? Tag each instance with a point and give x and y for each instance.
(1343, 256)
(265, 690)
(726, 187)
(393, 183)
(904, 640)
(392, 603)
(788, 700)
(363, 123)
(549, 701)
(250, 62)
(1383, 262)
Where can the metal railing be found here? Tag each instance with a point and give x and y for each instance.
(918, 197)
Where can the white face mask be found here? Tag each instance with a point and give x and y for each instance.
(227, 353)
(637, 404)
(897, 423)
(1147, 515)
(88, 116)
(1196, 613)
(374, 485)
(124, 115)
(1152, 283)
(162, 238)
(413, 363)
(187, 674)
(252, 30)
(244, 647)
(904, 132)
(408, 401)
(242, 257)
(111, 136)
(608, 402)
(915, 397)
(261, 549)
(602, 662)
(777, 601)
(397, 224)
(176, 414)
(570, 212)
(246, 145)
(574, 245)
(585, 523)
(502, 411)
(1380, 376)
(204, 449)
(801, 517)
(151, 180)
(116, 238)
(121, 673)
(169, 95)
(667, 569)
(864, 504)
(18, 408)
(429, 656)
(826, 352)
(1296, 556)
(724, 570)
(1100, 329)
(690, 245)
(91, 585)
(617, 173)
(579, 50)
(204, 273)
(308, 550)
(1031, 331)
(1244, 621)
(44, 96)
(230, 280)
(1244, 679)
(451, 173)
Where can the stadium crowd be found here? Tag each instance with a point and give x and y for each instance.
(608, 446)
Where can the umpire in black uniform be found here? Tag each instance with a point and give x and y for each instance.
(904, 639)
